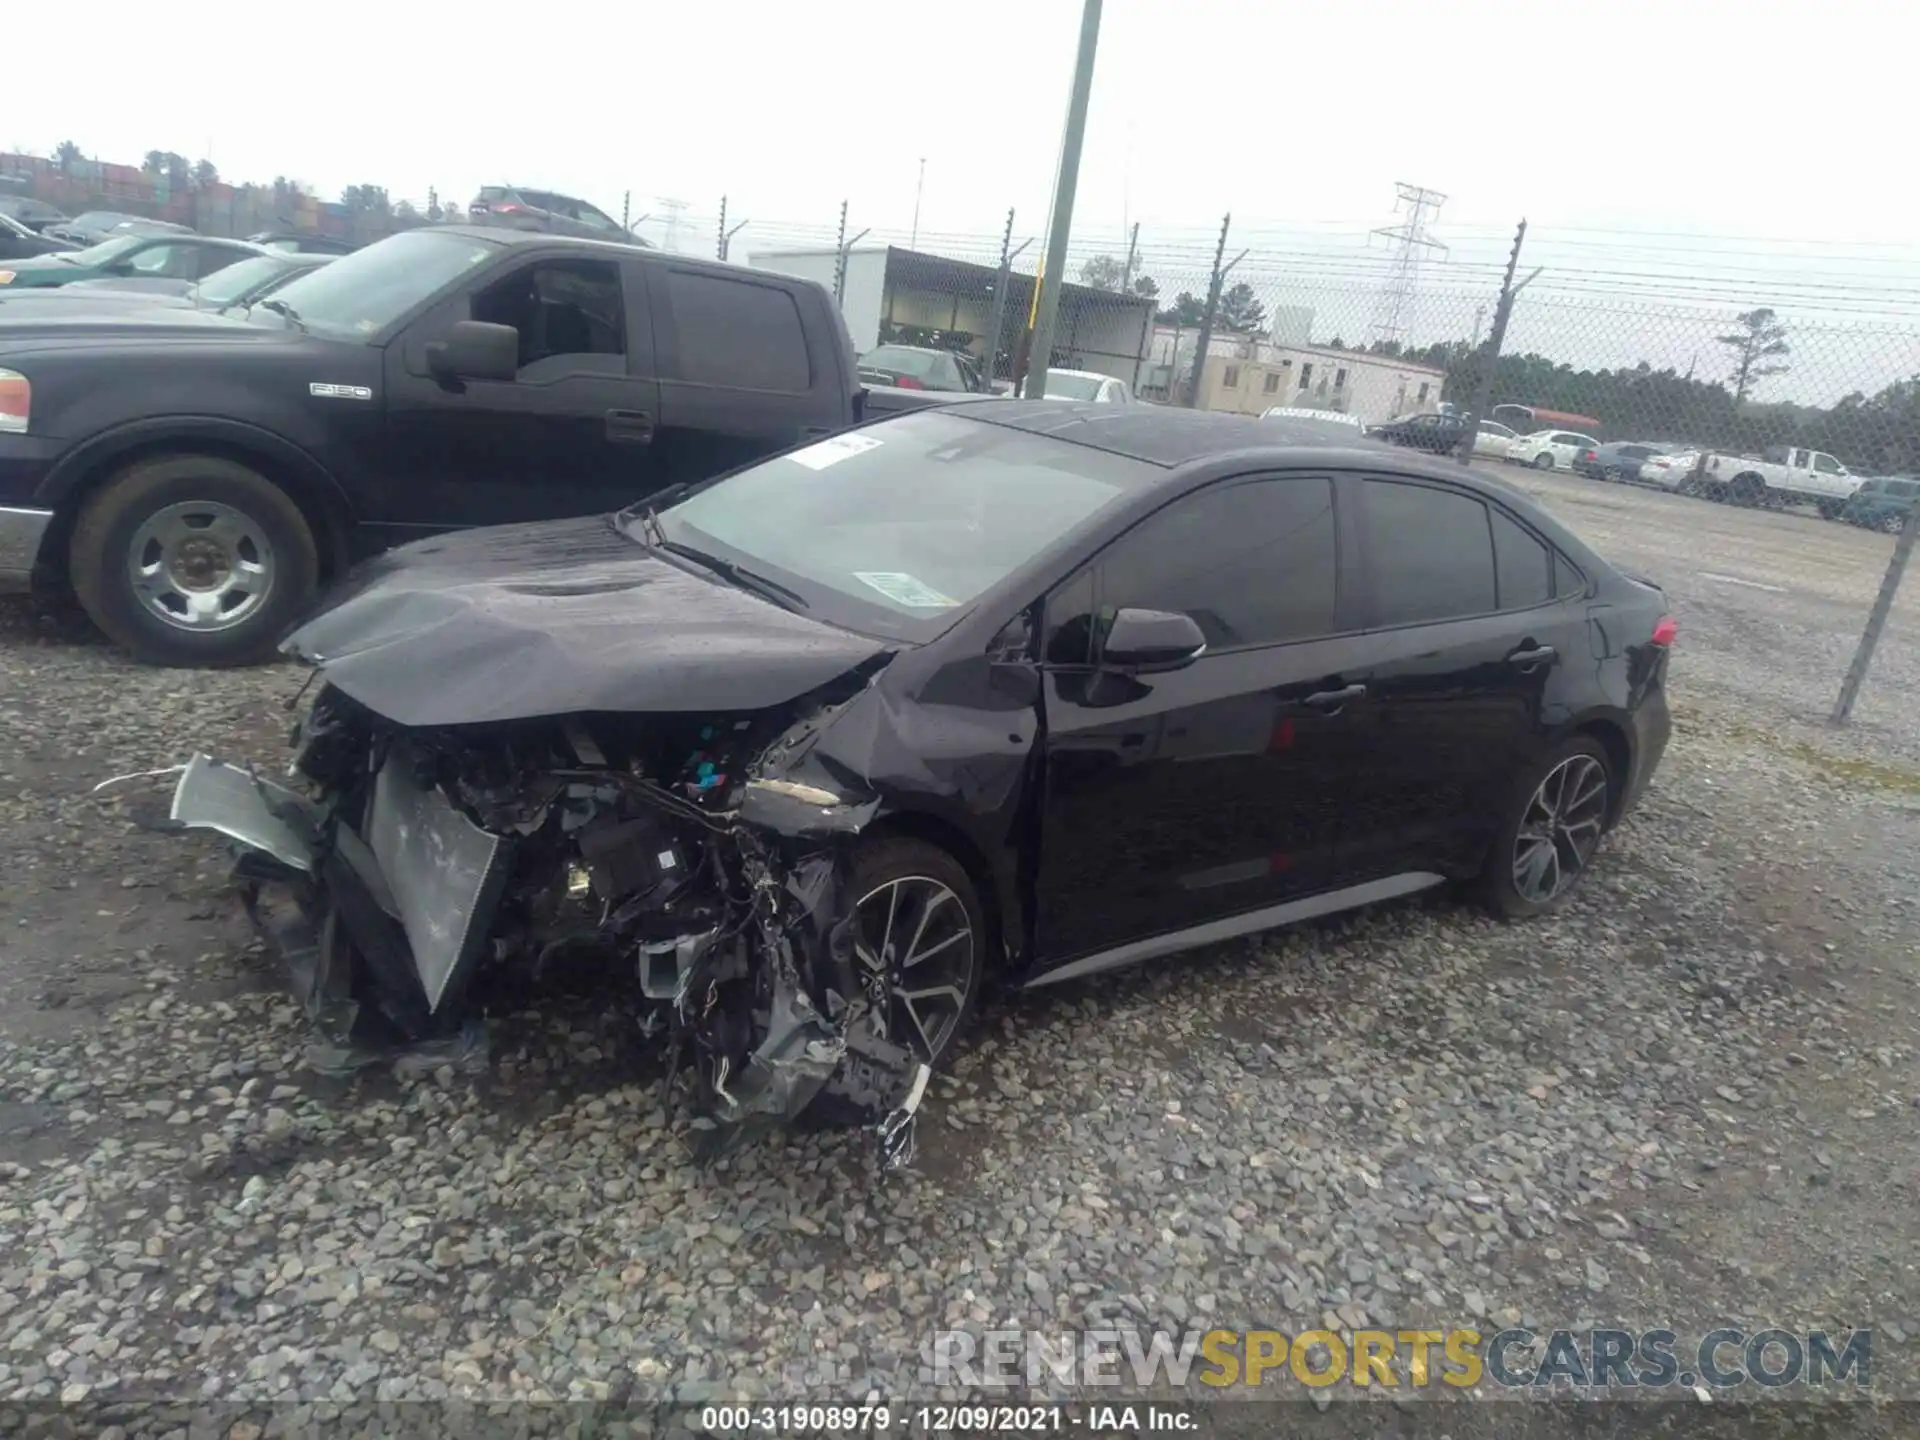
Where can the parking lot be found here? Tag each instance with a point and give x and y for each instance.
(1689, 1100)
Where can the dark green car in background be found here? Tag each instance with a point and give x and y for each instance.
(160, 256)
(1882, 503)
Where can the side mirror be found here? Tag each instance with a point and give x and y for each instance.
(476, 350)
(1152, 640)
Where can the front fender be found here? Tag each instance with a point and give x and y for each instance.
(99, 452)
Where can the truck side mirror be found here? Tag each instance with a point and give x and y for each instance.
(476, 350)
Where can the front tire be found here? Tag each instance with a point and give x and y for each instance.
(920, 943)
(193, 561)
(1553, 825)
(1543, 461)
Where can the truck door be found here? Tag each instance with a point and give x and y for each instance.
(1830, 476)
(571, 434)
(738, 380)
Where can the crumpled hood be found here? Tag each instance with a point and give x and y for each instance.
(518, 621)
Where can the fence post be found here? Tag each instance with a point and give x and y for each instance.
(720, 232)
(1490, 355)
(840, 256)
(1213, 304)
(1877, 618)
(997, 312)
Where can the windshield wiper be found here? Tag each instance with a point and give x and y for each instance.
(281, 307)
(745, 579)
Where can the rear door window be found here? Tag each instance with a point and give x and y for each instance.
(1431, 552)
(1523, 565)
(737, 333)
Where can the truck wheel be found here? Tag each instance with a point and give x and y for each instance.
(1747, 490)
(193, 561)
(1829, 509)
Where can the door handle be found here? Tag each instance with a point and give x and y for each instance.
(1332, 701)
(630, 427)
(1533, 656)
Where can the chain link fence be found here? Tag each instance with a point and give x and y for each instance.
(1724, 371)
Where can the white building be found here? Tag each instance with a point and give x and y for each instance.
(917, 299)
(1248, 374)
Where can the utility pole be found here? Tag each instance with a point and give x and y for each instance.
(918, 186)
(1060, 224)
(1411, 235)
(1213, 306)
(626, 209)
(1479, 314)
(1126, 270)
(1490, 357)
(1002, 278)
(720, 232)
(1877, 619)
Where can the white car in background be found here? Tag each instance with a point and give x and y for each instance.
(1087, 385)
(1669, 471)
(1549, 449)
(1492, 439)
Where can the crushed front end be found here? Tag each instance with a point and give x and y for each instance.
(407, 865)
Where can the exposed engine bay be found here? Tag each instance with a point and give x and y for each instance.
(411, 862)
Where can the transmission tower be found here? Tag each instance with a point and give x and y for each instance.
(672, 208)
(1417, 206)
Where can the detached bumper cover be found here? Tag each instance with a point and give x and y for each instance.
(21, 531)
(416, 891)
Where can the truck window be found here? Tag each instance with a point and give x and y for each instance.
(1825, 464)
(560, 307)
(738, 333)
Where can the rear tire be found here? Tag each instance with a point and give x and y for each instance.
(193, 561)
(1543, 461)
(1551, 829)
(1892, 524)
(1747, 490)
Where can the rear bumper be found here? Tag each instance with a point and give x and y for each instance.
(1652, 729)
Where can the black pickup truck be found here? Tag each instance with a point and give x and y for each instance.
(194, 479)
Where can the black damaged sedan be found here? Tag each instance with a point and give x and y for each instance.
(813, 752)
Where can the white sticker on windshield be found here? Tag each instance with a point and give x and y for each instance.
(903, 589)
(833, 450)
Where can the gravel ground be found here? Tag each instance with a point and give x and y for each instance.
(1689, 1100)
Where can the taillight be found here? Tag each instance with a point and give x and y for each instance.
(907, 382)
(1589, 455)
(1666, 632)
(16, 401)
(507, 207)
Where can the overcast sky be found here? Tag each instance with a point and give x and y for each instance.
(1740, 148)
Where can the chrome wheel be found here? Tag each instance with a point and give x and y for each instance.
(1893, 524)
(1560, 828)
(201, 566)
(915, 945)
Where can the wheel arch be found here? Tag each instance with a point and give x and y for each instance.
(1000, 907)
(1612, 735)
(91, 465)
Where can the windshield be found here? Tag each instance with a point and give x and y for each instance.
(892, 529)
(1073, 387)
(107, 251)
(360, 294)
(243, 277)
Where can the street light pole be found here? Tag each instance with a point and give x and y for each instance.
(1065, 181)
